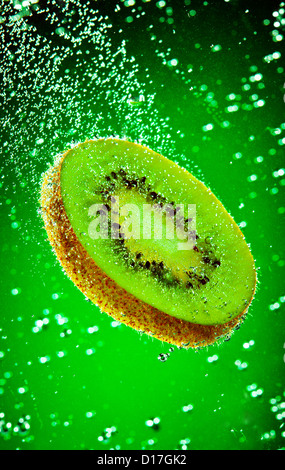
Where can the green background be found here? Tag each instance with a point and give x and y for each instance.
(70, 377)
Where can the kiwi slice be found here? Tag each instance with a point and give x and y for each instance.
(147, 242)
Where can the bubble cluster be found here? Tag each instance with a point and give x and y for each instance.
(162, 357)
(187, 408)
(153, 423)
(241, 365)
(184, 443)
(254, 390)
(278, 407)
(20, 428)
(213, 358)
(107, 434)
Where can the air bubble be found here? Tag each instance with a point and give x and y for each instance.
(153, 423)
(187, 408)
(163, 357)
(90, 351)
(241, 365)
(213, 358)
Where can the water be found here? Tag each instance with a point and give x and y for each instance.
(202, 83)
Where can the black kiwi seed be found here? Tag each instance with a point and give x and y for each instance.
(114, 175)
(107, 178)
(189, 285)
(206, 259)
(216, 263)
(139, 255)
(127, 183)
(147, 265)
(204, 280)
(175, 212)
(153, 195)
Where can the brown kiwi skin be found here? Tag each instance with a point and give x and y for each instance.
(107, 294)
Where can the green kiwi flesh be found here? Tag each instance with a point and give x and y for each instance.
(210, 284)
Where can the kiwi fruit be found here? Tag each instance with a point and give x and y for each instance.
(94, 203)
